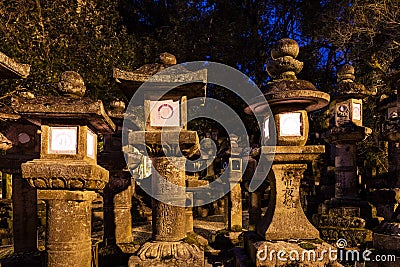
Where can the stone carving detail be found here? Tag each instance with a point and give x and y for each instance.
(289, 180)
(66, 183)
(168, 250)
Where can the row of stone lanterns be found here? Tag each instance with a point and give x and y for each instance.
(66, 173)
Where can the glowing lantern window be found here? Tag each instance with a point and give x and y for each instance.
(63, 140)
(164, 113)
(290, 124)
(356, 111)
(91, 144)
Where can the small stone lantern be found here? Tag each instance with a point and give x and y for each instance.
(165, 116)
(67, 173)
(118, 193)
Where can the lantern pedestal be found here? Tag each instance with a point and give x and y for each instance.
(168, 211)
(285, 218)
(68, 233)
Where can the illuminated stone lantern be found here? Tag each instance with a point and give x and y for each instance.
(118, 193)
(164, 132)
(344, 132)
(66, 174)
(289, 99)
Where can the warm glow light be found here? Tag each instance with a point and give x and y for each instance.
(266, 129)
(290, 124)
(63, 140)
(356, 111)
(164, 113)
(91, 143)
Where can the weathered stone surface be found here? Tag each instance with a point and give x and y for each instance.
(297, 253)
(286, 154)
(178, 78)
(348, 133)
(184, 82)
(62, 174)
(285, 218)
(235, 208)
(162, 254)
(68, 232)
(57, 108)
(387, 242)
(9, 69)
(72, 84)
(185, 142)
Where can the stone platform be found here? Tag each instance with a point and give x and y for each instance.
(305, 253)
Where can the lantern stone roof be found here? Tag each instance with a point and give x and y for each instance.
(72, 107)
(286, 92)
(347, 87)
(63, 108)
(187, 83)
(10, 69)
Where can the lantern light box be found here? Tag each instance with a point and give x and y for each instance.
(290, 124)
(63, 140)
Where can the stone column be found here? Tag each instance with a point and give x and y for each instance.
(235, 208)
(254, 209)
(123, 218)
(189, 212)
(168, 187)
(345, 171)
(25, 219)
(285, 218)
(68, 231)
(169, 221)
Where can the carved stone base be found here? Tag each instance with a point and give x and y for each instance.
(265, 253)
(285, 218)
(168, 254)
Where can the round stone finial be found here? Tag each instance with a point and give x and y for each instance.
(118, 105)
(285, 47)
(283, 64)
(72, 84)
(167, 58)
(345, 74)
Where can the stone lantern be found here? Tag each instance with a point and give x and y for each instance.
(66, 174)
(289, 99)
(118, 193)
(165, 118)
(346, 208)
